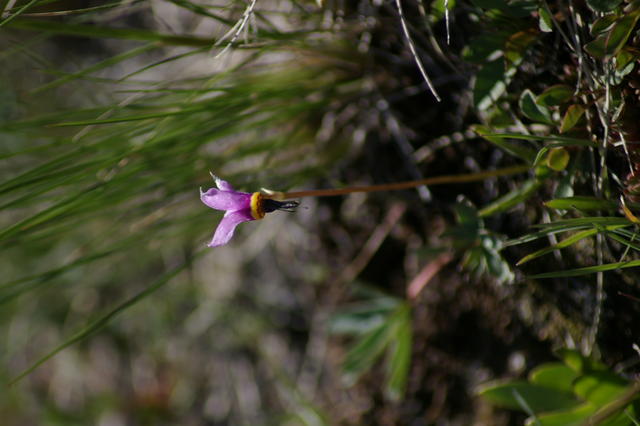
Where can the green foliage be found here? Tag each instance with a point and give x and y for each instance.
(610, 41)
(555, 95)
(603, 5)
(380, 324)
(481, 247)
(568, 103)
(578, 391)
(532, 109)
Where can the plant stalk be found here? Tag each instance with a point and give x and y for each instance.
(434, 180)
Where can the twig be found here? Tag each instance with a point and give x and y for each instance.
(351, 271)
(426, 274)
(236, 29)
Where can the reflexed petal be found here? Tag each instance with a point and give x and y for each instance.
(226, 200)
(227, 225)
(223, 184)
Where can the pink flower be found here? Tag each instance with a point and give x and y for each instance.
(239, 207)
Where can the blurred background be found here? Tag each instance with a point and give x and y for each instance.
(113, 310)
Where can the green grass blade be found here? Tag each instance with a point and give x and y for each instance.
(19, 12)
(399, 361)
(166, 61)
(566, 243)
(581, 203)
(588, 270)
(127, 118)
(585, 221)
(569, 225)
(101, 322)
(513, 198)
(82, 10)
(367, 349)
(560, 140)
(99, 66)
(515, 149)
(627, 243)
(104, 32)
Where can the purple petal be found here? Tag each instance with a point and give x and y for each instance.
(226, 200)
(227, 225)
(223, 184)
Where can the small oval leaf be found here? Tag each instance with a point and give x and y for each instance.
(532, 110)
(545, 22)
(601, 25)
(558, 159)
(554, 375)
(555, 95)
(571, 117)
(538, 398)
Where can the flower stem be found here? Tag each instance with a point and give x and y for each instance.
(435, 180)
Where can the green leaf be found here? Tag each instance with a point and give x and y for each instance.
(399, 362)
(603, 5)
(490, 84)
(571, 117)
(538, 398)
(558, 159)
(515, 149)
(575, 416)
(93, 31)
(484, 257)
(579, 363)
(568, 225)
(609, 43)
(562, 244)
(556, 140)
(601, 25)
(554, 375)
(101, 322)
(481, 47)
(111, 61)
(14, 15)
(624, 57)
(517, 45)
(564, 189)
(497, 266)
(361, 317)
(581, 203)
(555, 95)
(582, 222)
(600, 387)
(367, 349)
(545, 21)
(588, 270)
(533, 110)
(469, 223)
(512, 198)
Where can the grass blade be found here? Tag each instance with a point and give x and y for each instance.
(588, 270)
(101, 322)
